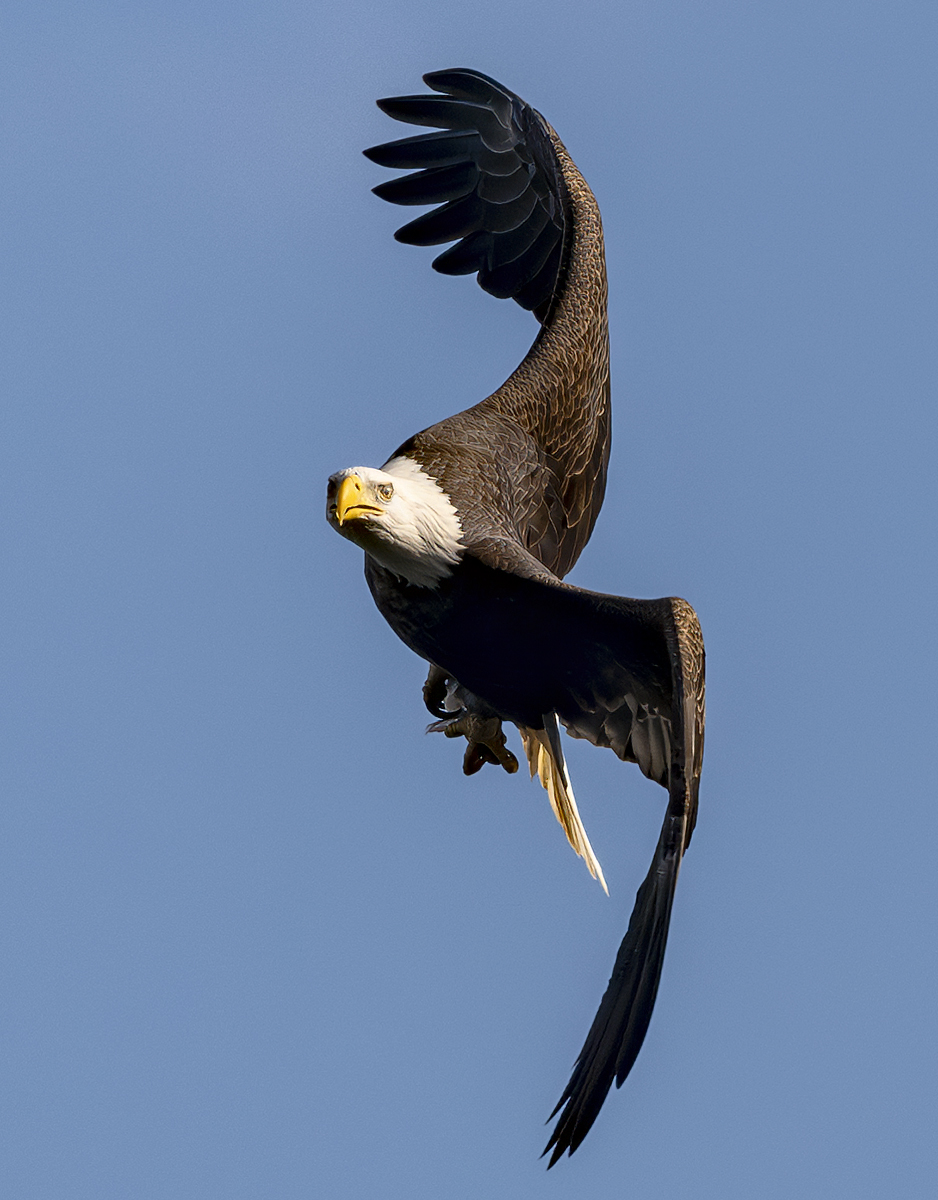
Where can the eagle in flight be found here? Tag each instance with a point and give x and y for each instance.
(470, 526)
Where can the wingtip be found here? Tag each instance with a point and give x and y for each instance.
(559, 1146)
(554, 1158)
(552, 1145)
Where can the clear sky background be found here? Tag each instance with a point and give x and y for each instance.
(260, 938)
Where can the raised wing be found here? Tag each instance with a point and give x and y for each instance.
(529, 462)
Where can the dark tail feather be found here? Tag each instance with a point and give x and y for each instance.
(620, 1025)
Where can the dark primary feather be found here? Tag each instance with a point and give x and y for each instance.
(442, 149)
(436, 185)
(493, 169)
(620, 1025)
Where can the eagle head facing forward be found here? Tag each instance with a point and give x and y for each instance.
(400, 516)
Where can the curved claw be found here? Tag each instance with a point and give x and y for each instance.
(486, 741)
(434, 691)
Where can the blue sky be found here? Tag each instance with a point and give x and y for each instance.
(260, 936)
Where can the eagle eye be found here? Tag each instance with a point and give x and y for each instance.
(385, 491)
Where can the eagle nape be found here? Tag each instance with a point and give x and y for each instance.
(471, 525)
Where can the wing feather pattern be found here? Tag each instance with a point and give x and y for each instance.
(492, 168)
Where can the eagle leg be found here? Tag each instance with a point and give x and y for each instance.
(464, 715)
(485, 737)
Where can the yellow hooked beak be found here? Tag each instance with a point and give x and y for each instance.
(350, 504)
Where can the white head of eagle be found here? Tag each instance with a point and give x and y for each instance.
(400, 516)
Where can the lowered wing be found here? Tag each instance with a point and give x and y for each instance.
(620, 1025)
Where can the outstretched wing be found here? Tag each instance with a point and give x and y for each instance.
(494, 171)
(529, 462)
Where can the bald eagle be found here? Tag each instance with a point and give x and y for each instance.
(470, 526)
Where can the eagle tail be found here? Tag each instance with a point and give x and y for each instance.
(546, 760)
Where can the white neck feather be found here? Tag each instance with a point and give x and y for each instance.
(421, 538)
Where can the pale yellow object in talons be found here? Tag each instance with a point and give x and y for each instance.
(556, 781)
